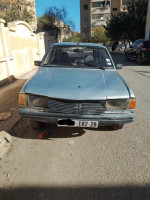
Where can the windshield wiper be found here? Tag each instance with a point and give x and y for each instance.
(95, 65)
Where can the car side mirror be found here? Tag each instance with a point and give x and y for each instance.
(37, 63)
(119, 66)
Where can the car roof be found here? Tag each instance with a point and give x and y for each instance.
(142, 40)
(78, 44)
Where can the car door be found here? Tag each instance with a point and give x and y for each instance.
(135, 48)
(131, 50)
(139, 47)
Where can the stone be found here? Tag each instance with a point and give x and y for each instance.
(71, 142)
(5, 143)
(4, 116)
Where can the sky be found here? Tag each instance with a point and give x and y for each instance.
(72, 7)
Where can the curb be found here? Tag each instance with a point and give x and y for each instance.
(7, 80)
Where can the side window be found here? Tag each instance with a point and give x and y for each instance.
(135, 44)
(140, 44)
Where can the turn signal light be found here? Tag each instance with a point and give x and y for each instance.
(132, 103)
(23, 99)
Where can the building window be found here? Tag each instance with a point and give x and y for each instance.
(100, 4)
(85, 18)
(96, 4)
(114, 9)
(97, 16)
(10, 6)
(101, 16)
(85, 6)
(19, 8)
(85, 29)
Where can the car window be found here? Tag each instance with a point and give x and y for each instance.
(135, 43)
(78, 56)
(140, 44)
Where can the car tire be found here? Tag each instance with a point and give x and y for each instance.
(117, 126)
(138, 59)
(126, 57)
(34, 124)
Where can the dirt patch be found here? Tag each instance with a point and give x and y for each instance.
(9, 104)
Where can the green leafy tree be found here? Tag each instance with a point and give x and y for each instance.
(76, 38)
(130, 24)
(16, 10)
(99, 35)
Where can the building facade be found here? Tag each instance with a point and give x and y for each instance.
(32, 8)
(20, 5)
(66, 31)
(94, 13)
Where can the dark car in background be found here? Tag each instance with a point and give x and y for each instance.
(139, 51)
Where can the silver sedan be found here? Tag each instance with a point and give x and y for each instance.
(77, 84)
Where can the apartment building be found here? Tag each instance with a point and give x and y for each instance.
(94, 13)
(21, 4)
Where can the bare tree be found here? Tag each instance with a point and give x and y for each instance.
(55, 20)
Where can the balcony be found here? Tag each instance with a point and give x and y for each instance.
(100, 10)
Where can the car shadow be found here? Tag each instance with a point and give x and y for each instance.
(23, 130)
(127, 192)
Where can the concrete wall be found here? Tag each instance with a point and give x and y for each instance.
(19, 47)
(147, 32)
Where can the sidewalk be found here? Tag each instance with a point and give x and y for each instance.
(9, 100)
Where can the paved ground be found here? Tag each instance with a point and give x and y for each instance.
(80, 163)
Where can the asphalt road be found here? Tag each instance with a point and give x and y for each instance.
(85, 164)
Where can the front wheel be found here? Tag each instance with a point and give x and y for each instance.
(138, 59)
(117, 126)
(34, 124)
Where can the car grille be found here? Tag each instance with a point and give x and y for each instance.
(76, 107)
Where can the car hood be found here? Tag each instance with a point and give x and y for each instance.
(77, 84)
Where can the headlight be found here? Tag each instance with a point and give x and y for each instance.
(23, 99)
(36, 101)
(117, 104)
(132, 103)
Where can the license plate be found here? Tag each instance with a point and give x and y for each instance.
(89, 124)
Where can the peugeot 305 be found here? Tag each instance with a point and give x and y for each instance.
(77, 85)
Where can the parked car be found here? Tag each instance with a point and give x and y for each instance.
(77, 85)
(139, 51)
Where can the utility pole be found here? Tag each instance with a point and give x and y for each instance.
(147, 32)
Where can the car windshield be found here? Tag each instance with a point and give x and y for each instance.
(78, 56)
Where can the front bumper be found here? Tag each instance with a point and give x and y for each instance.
(105, 118)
